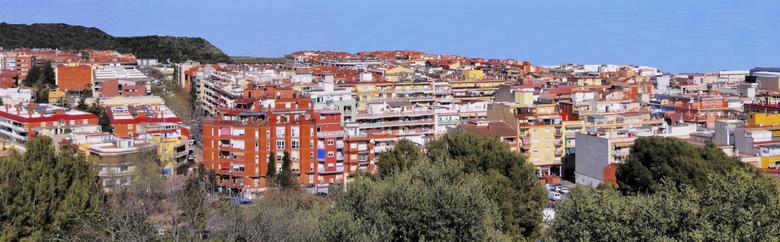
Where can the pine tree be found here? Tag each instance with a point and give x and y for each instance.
(82, 106)
(105, 121)
(270, 175)
(32, 76)
(45, 193)
(47, 75)
(287, 179)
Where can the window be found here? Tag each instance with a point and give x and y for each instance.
(268, 134)
(280, 145)
(280, 132)
(330, 142)
(330, 154)
(295, 132)
(295, 155)
(295, 144)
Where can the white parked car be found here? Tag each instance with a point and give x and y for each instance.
(554, 196)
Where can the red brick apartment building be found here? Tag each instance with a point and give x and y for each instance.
(330, 147)
(237, 143)
(73, 78)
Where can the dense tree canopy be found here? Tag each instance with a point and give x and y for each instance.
(653, 159)
(436, 202)
(71, 37)
(45, 194)
(403, 155)
(509, 181)
(738, 206)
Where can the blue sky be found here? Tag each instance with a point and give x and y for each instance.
(674, 35)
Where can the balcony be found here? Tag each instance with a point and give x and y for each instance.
(330, 134)
(335, 170)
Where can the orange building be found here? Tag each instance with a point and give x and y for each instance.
(697, 109)
(330, 148)
(127, 119)
(7, 79)
(123, 88)
(237, 143)
(74, 78)
(361, 151)
(17, 123)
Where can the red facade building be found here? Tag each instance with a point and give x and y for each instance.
(238, 142)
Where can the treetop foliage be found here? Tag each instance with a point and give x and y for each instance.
(737, 206)
(653, 159)
(73, 37)
(507, 180)
(44, 192)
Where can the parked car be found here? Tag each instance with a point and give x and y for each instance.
(554, 196)
(563, 190)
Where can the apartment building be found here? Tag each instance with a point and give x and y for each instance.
(127, 120)
(400, 118)
(17, 122)
(73, 77)
(362, 150)
(278, 126)
(120, 81)
(596, 151)
(760, 137)
(330, 148)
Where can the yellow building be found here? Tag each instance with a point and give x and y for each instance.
(541, 131)
(474, 75)
(170, 149)
(761, 136)
(397, 73)
(538, 144)
(56, 96)
(764, 119)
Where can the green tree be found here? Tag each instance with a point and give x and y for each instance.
(270, 174)
(82, 105)
(739, 205)
(45, 194)
(510, 181)
(47, 75)
(287, 179)
(105, 122)
(32, 76)
(403, 155)
(653, 159)
(42, 95)
(427, 202)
